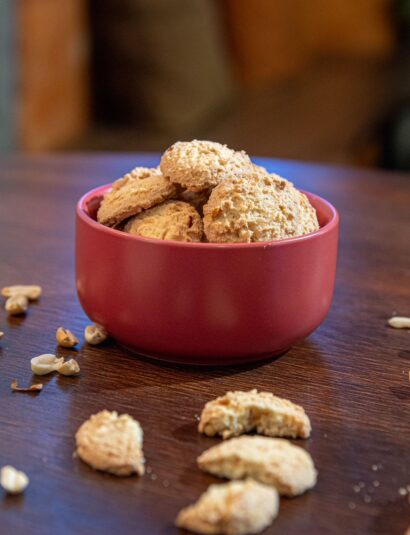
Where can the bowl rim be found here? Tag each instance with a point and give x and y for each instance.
(84, 216)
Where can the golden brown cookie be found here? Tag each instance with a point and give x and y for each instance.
(199, 165)
(239, 412)
(139, 190)
(235, 508)
(111, 443)
(172, 220)
(273, 461)
(257, 206)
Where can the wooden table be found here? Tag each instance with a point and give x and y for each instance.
(351, 375)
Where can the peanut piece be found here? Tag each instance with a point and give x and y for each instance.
(44, 364)
(1, 334)
(65, 338)
(95, 334)
(32, 388)
(13, 481)
(16, 304)
(70, 367)
(399, 322)
(32, 292)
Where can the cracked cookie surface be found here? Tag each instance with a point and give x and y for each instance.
(257, 206)
(273, 461)
(234, 508)
(138, 190)
(198, 165)
(172, 220)
(240, 412)
(111, 443)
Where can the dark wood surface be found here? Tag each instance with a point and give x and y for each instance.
(351, 375)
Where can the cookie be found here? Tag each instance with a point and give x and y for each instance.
(257, 206)
(172, 220)
(139, 190)
(239, 412)
(197, 199)
(111, 443)
(234, 508)
(199, 165)
(273, 461)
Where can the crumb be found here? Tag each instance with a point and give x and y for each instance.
(367, 498)
(402, 491)
(357, 488)
(376, 483)
(352, 505)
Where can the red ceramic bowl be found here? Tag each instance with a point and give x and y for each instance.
(205, 303)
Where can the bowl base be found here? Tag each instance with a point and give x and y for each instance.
(205, 361)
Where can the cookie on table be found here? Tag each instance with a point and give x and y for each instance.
(257, 206)
(240, 412)
(139, 190)
(273, 461)
(172, 220)
(111, 443)
(199, 165)
(234, 508)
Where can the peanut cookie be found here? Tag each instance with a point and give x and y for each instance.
(240, 412)
(273, 461)
(139, 190)
(234, 508)
(257, 206)
(111, 443)
(199, 165)
(196, 198)
(172, 220)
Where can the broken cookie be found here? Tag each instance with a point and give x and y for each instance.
(239, 412)
(234, 508)
(112, 443)
(273, 461)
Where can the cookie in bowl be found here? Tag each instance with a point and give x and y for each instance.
(171, 220)
(138, 190)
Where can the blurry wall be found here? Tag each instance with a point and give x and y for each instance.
(6, 76)
(173, 65)
(272, 40)
(46, 92)
(163, 63)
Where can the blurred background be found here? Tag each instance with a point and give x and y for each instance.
(323, 80)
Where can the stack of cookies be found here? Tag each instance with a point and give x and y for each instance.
(205, 191)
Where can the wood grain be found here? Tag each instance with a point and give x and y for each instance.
(351, 375)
